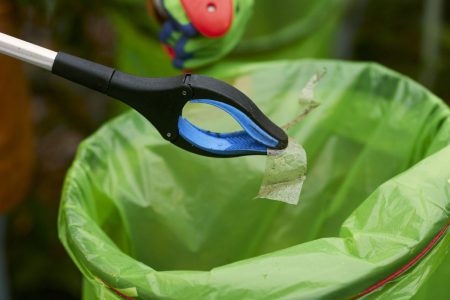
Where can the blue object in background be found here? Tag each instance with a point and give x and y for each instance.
(4, 282)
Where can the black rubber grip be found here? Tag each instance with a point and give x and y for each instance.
(84, 72)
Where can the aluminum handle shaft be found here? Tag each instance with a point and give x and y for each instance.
(27, 52)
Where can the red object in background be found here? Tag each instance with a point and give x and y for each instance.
(169, 50)
(212, 18)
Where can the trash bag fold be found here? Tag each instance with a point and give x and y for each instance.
(142, 219)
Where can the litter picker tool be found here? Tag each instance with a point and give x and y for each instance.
(161, 101)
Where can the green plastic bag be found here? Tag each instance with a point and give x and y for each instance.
(143, 219)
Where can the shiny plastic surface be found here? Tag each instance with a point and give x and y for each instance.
(212, 18)
(146, 220)
(252, 139)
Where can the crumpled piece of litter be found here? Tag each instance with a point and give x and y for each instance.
(286, 169)
(285, 174)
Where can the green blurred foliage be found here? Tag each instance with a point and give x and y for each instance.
(297, 29)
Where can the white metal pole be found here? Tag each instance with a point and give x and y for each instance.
(27, 52)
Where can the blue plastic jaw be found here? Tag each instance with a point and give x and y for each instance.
(250, 141)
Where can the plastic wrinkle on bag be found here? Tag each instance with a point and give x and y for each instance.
(142, 219)
(286, 169)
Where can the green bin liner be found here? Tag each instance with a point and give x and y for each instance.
(143, 219)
